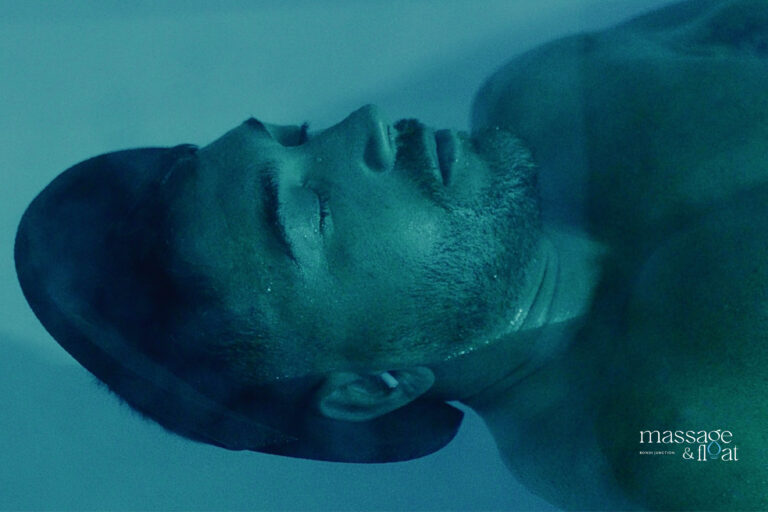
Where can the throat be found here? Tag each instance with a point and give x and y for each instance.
(542, 410)
(534, 309)
(562, 279)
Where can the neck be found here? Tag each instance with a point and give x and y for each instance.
(562, 279)
(542, 397)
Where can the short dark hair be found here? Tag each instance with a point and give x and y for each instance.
(181, 315)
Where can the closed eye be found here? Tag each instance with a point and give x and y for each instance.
(303, 133)
(289, 136)
(323, 219)
(325, 213)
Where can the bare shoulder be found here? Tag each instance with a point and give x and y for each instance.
(695, 358)
(645, 124)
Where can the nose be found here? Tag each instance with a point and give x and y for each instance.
(372, 136)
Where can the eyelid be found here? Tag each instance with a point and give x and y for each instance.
(323, 202)
(303, 133)
(290, 136)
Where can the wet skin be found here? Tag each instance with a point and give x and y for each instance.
(651, 141)
(358, 251)
(366, 241)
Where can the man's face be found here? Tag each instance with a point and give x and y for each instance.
(363, 245)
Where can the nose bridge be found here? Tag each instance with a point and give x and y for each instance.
(366, 136)
(369, 115)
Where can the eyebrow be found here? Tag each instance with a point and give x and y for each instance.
(256, 125)
(267, 175)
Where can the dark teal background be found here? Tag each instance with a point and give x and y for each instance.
(82, 78)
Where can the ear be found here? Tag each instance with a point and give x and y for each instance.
(350, 396)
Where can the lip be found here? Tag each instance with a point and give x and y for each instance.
(446, 149)
(440, 151)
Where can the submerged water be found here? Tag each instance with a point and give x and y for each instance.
(83, 78)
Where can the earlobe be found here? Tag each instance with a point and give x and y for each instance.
(351, 396)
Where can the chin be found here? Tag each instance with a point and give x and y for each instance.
(475, 280)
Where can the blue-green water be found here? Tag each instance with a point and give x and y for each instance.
(83, 78)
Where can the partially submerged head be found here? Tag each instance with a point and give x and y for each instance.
(249, 293)
(364, 247)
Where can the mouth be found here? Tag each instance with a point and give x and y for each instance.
(434, 153)
(440, 147)
(446, 148)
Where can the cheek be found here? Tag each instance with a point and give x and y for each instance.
(369, 302)
(380, 249)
